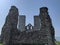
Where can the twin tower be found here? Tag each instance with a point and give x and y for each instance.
(29, 27)
(22, 21)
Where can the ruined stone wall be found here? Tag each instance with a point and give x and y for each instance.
(46, 26)
(10, 26)
(12, 36)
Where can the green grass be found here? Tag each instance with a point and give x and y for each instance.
(58, 42)
(0, 44)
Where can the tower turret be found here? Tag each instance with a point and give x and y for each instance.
(10, 27)
(46, 27)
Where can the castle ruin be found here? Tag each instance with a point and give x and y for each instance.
(42, 33)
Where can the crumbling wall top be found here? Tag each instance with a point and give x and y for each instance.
(43, 9)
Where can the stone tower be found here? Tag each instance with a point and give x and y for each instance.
(46, 29)
(9, 29)
(21, 23)
(36, 23)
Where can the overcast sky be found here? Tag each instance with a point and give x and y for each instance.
(31, 8)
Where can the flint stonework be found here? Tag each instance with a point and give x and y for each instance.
(42, 33)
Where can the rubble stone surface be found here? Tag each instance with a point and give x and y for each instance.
(12, 36)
